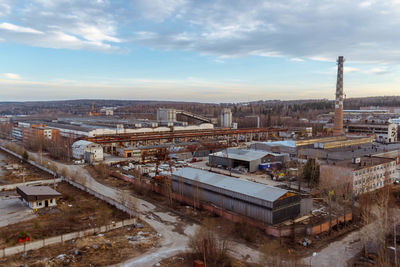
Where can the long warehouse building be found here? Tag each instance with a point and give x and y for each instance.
(264, 203)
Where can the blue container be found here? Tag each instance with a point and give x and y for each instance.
(264, 166)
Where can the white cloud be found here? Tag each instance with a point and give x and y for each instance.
(66, 24)
(350, 69)
(93, 33)
(315, 29)
(296, 59)
(5, 7)
(185, 89)
(15, 28)
(12, 76)
(159, 10)
(378, 70)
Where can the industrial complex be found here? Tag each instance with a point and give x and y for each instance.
(280, 178)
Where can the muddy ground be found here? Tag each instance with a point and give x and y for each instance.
(77, 210)
(20, 172)
(98, 250)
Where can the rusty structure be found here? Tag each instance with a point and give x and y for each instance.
(338, 121)
(111, 142)
(233, 134)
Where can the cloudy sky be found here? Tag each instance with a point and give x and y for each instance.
(209, 51)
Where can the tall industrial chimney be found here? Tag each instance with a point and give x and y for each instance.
(338, 122)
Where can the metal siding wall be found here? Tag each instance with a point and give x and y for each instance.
(286, 201)
(220, 161)
(253, 165)
(305, 206)
(235, 202)
(286, 213)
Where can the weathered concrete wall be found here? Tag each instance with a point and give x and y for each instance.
(61, 238)
(91, 191)
(39, 182)
(102, 197)
(324, 227)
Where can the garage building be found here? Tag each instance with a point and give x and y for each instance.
(260, 202)
(248, 158)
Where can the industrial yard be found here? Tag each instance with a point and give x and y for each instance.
(74, 212)
(14, 171)
(265, 194)
(109, 248)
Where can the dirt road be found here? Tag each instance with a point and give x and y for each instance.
(339, 252)
(164, 223)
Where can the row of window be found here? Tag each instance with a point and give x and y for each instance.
(377, 176)
(371, 187)
(376, 168)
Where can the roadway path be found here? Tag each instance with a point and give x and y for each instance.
(173, 242)
(338, 253)
(164, 223)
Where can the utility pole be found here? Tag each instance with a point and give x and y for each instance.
(330, 193)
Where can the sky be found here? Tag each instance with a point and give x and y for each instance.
(192, 50)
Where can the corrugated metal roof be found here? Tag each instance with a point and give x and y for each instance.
(241, 154)
(81, 144)
(287, 143)
(256, 190)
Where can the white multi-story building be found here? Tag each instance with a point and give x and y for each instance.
(384, 133)
(362, 174)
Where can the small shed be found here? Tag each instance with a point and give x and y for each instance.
(38, 196)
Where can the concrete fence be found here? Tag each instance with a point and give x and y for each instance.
(110, 201)
(62, 238)
(86, 188)
(28, 161)
(38, 182)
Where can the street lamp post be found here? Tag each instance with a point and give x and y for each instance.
(313, 255)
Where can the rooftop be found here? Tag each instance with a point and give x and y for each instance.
(241, 154)
(365, 162)
(81, 143)
(256, 190)
(39, 191)
(287, 143)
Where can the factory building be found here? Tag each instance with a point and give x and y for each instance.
(27, 132)
(385, 133)
(260, 202)
(362, 174)
(292, 147)
(166, 114)
(89, 151)
(226, 118)
(247, 158)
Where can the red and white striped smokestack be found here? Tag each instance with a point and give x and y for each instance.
(338, 122)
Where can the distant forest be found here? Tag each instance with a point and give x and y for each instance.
(271, 112)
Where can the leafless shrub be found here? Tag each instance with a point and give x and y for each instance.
(102, 170)
(208, 245)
